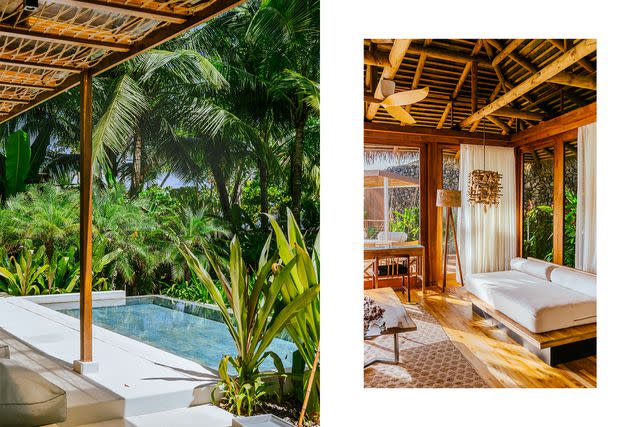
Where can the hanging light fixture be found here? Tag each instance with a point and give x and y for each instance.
(484, 186)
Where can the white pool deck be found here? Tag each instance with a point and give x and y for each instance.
(136, 385)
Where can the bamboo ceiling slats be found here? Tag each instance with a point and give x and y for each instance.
(42, 52)
(516, 60)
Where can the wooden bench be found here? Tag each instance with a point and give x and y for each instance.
(553, 347)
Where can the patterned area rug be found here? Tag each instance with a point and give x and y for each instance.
(428, 359)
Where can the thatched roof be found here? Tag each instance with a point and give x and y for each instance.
(525, 81)
(42, 52)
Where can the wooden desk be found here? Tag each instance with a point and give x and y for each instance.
(404, 251)
(395, 317)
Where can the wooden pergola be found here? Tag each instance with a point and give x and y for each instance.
(529, 94)
(64, 43)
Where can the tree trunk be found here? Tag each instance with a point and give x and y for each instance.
(263, 171)
(295, 174)
(223, 193)
(136, 178)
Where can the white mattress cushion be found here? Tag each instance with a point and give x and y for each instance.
(545, 308)
(540, 269)
(516, 263)
(575, 280)
(483, 285)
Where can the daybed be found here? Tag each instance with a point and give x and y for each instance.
(549, 308)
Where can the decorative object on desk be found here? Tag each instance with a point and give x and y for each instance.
(372, 314)
(484, 186)
(449, 199)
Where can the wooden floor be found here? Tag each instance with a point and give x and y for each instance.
(498, 359)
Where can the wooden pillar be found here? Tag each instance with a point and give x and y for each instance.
(434, 252)
(474, 86)
(519, 195)
(86, 187)
(424, 236)
(558, 202)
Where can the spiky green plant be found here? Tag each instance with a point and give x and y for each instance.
(250, 318)
(304, 327)
(21, 274)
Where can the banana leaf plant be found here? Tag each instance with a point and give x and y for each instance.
(63, 273)
(249, 317)
(23, 280)
(304, 327)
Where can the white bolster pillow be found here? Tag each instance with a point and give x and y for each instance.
(540, 269)
(575, 280)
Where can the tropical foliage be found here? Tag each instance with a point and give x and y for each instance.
(248, 312)
(197, 143)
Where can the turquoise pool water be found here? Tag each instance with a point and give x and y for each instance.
(179, 327)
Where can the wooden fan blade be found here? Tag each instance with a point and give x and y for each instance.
(400, 114)
(405, 98)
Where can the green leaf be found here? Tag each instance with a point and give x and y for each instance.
(18, 153)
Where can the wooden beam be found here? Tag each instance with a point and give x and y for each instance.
(513, 45)
(26, 86)
(556, 126)
(459, 84)
(38, 66)
(376, 59)
(558, 44)
(86, 189)
(14, 101)
(417, 75)
(518, 114)
(156, 38)
(124, 9)
(474, 86)
(558, 203)
(562, 78)
(380, 132)
(449, 55)
(398, 50)
(26, 34)
(580, 50)
(506, 130)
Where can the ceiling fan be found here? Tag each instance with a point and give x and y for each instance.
(394, 102)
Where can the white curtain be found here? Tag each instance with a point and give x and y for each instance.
(487, 239)
(586, 210)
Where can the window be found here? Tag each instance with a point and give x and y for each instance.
(391, 195)
(570, 202)
(537, 233)
(450, 181)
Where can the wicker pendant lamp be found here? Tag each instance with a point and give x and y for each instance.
(484, 185)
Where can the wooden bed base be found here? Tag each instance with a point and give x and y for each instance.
(553, 347)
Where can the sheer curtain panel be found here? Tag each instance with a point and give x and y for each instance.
(487, 238)
(586, 210)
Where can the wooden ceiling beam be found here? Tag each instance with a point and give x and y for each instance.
(568, 58)
(377, 59)
(513, 45)
(518, 114)
(124, 9)
(563, 78)
(26, 86)
(14, 101)
(398, 51)
(418, 74)
(449, 55)
(38, 66)
(26, 34)
(459, 84)
(506, 130)
(559, 44)
(154, 39)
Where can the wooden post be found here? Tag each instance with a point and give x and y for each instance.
(86, 187)
(519, 194)
(558, 202)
